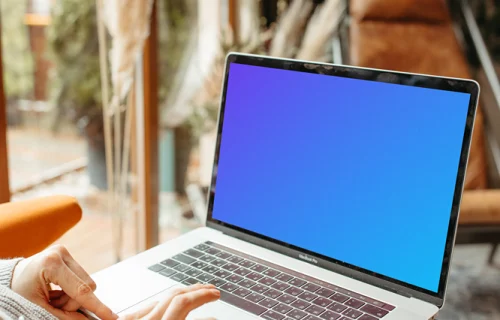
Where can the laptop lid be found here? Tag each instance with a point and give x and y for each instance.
(358, 171)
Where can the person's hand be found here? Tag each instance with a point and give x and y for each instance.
(178, 304)
(33, 279)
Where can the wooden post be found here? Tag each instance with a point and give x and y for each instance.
(233, 18)
(4, 160)
(151, 168)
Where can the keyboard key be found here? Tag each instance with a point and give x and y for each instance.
(207, 258)
(247, 283)
(376, 311)
(179, 277)
(190, 281)
(254, 297)
(322, 302)
(183, 258)
(235, 259)
(272, 315)
(308, 296)
(339, 297)
(242, 303)
(202, 247)
(330, 315)
(229, 287)
(271, 273)
(337, 307)
(234, 278)
(193, 253)
(205, 277)
(267, 281)
(297, 314)
(281, 286)
(312, 318)
(367, 317)
(167, 272)
(324, 292)
(294, 291)
(242, 271)
(222, 273)
(258, 268)
(271, 293)
(193, 272)
(300, 304)
(282, 308)
(286, 298)
(156, 268)
(224, 255)
(169, 263)
(268, 303)
(314, 309)
(297, 282)
(259, 288)
(230, 267)
(218, 262)
(387, 307)
(254, 276)
(353, 303)
(211, 269)
(246, 263)
(217, 282)
(352, 313)
(199, 265)
(311, 287)
(284, 277)
(212, 251)
(242, 292)
(181, 267)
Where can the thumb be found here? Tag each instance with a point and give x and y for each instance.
(65, 315)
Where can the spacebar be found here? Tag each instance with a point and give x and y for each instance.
(241, 303)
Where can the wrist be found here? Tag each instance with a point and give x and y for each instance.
(7, 269)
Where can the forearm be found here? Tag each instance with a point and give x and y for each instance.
(13, 306)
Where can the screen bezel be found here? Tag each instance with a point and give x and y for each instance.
(424, 81)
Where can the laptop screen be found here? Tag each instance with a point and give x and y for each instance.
(359, 171)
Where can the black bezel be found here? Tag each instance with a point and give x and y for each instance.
(425, 81)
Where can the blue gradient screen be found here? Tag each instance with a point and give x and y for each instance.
(359, 171)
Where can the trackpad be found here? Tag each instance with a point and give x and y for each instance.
(218, 310)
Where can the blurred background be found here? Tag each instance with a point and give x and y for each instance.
(56, 132)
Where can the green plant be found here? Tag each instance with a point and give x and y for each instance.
(16, 51)
(74, 52)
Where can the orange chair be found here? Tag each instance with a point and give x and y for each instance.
(28, 227)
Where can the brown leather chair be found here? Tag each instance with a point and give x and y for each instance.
(418, 36)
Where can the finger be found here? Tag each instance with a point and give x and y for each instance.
(161, 308)
(56, 294)
(139, 314)
(60, 302)
(66, 315)
(78, 290)
(183, 304)
(71, 305)
(77, 268)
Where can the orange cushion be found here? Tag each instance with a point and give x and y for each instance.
(404, 10)
(28, 227)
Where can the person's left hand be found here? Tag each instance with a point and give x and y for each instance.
(34, 276)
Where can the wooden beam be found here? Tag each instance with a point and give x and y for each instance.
(151, 130)
(4, 160)
(233, 18)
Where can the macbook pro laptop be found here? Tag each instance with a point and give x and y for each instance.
(335, 195)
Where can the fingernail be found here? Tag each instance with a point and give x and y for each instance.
(115, 316)
(215, 292)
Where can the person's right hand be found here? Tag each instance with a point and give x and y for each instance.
(178, 304)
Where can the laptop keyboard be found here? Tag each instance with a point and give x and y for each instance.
(266, 289)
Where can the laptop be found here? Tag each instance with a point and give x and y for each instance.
(335, 195)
